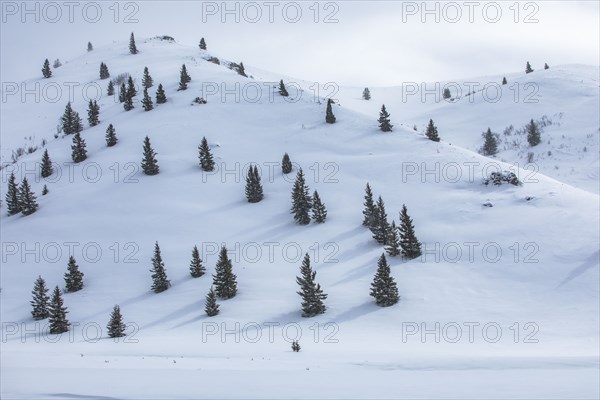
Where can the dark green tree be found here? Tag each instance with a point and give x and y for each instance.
(301, 200)
(241, 70)
(58, 313)
(147, 81)
(132, 47)
(46, 71)
(319, 212)
(282, 90)
(78, 153)
(13, 204)
(93, 113)
(45, 190)
(528, 68)
(329, 117)
(384, 120)
(370, 209)
(546, 66)
(224, 280)
(46, 168)
(129, 95)
(77, 123)
(184, 78)
(161, 97)
(27, 199)
(111, 136)
(68, 120)
(286, 164)
(410, 245)
(504, 81)
(366, 95)
(381, 226)
(73, 277)
(534, 136)
(160, 283)
(254, 190)
(446, 94)
(104, 71)
(383, 287)
(490, 145)
(110, 90)
(310, 291)
(196, 267)
(147, 101)
(432, 132)
(393, 247)
(211, 308)
(149, 162)
(122, 92)
(202, 44)
(90, 47)
(116, 327)
(40, 302)
(206, 159)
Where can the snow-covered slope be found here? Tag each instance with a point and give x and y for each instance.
(531, 275)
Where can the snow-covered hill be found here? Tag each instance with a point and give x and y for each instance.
(503, 303)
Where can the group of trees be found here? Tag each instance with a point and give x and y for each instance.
(303, 203)
(490, 144)
(20, 198)
(529, 70)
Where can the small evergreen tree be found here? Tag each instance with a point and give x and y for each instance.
(301, 200)
(282, 90)
(528, 68)
(149, 162)
(58, 313)
(161, 97)
(383, 287)
(384, 120)
(206, 159)
(40, 307)
(211, 308)
(319, 212)
(132, 47)
(27, 199)
(122, 93)
(381, 226)
(147, 101)
(68, 120)
(184, 78)
(46, 71)
(45, 190)
(160, 283)
(329, 117)
(370, 209)
(490, 145)
(73, 277)
(104, 74)
(147, 81)
(254, 190)
(110, 91)
(13, 204)
(93, 113)
(202, 44)
(393, 247)
(366, 95)
(546, 66)
(78, 153)
(111, 136)
(533, 134)
(446, 94)
(310, 291)
(90, 47)
(196, 267)
(129, 95)
(116, 327)
(241, 70)
(286, 164)
(432, 132)
(77, 123)
(504, 81)
(295, 346)
(46, 168)
(224, 279)
(410, 245)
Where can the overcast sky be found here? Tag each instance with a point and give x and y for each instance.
(347, 42)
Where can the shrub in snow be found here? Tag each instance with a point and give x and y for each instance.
(498, 178)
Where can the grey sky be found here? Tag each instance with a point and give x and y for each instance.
(372, 43)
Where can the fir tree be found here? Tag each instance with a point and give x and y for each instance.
(446, 94)
(196, 267)
(380, 226)
(161, 97)
(132, 47)
(295, 346)
(68, 120)
(46, 71)
(528, 68)
(310, 291)
(384, 287)
(116, 327)
(432, 132)
(111, 136)
(241, 70)
(282, 90)
(254, 190)
(13, 204)
(286, 164)
(58, 313)
(184, 78)
(122, 92)
(319, 212)
(384, 120)
(393, 247)
(301, 200)
(206, 159)
(27, 199)
(224, 279)
(149, 162)
(147, 101)
(104, 74)
(40, 307)
(77, 123)
(329, 117)
(90, 47)
(211, 308)
(45, 190)
(370, 209)
(410, 245)
(160, 283)
(533, 134)
(110, 91)
(147, 81)
(129, 95)
(73, 277)
(79, 153)
(46, 168)
(504, 81)
(546, 66)
(202, 44)
(93, 113)
(490, 146)
(366, 95)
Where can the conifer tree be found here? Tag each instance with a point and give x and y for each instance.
(68, 120)
(58, 313)
(370, 209)
(73, 277)
(490, 145)
(78, 153)
(90, 47)
(161, 97)
(40, 303)
(410, 245)
(160, 283)
(432, 132)
(533, 134)
(301, 200)
(254, 190)
(242, 70)
(282, 90)
(546, 66)
(446, 94)
(149, 162)
(528, 68)
(196, 267)
(383, 287)
(184, 78)
(286, 164)
(202, 44)
(393, 247)
(122, 93)
(295, 346)
(206, 159)
(77, 123)
(13, 204)
(104, 74)
(111, 136)
(366, 94)
(384, 120)
(110, 90)
(27, 199)
(46, 168)
(46, 71)
(310, 291)
(116, 327)
(132, 47)
(147, 101)
(319, 212)
(147, 81)
(129, 95)
(211, 308)
(93, 113)
(329, 117)
(504, 81)
(45, 190)
(224, 280)
(380, 227)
